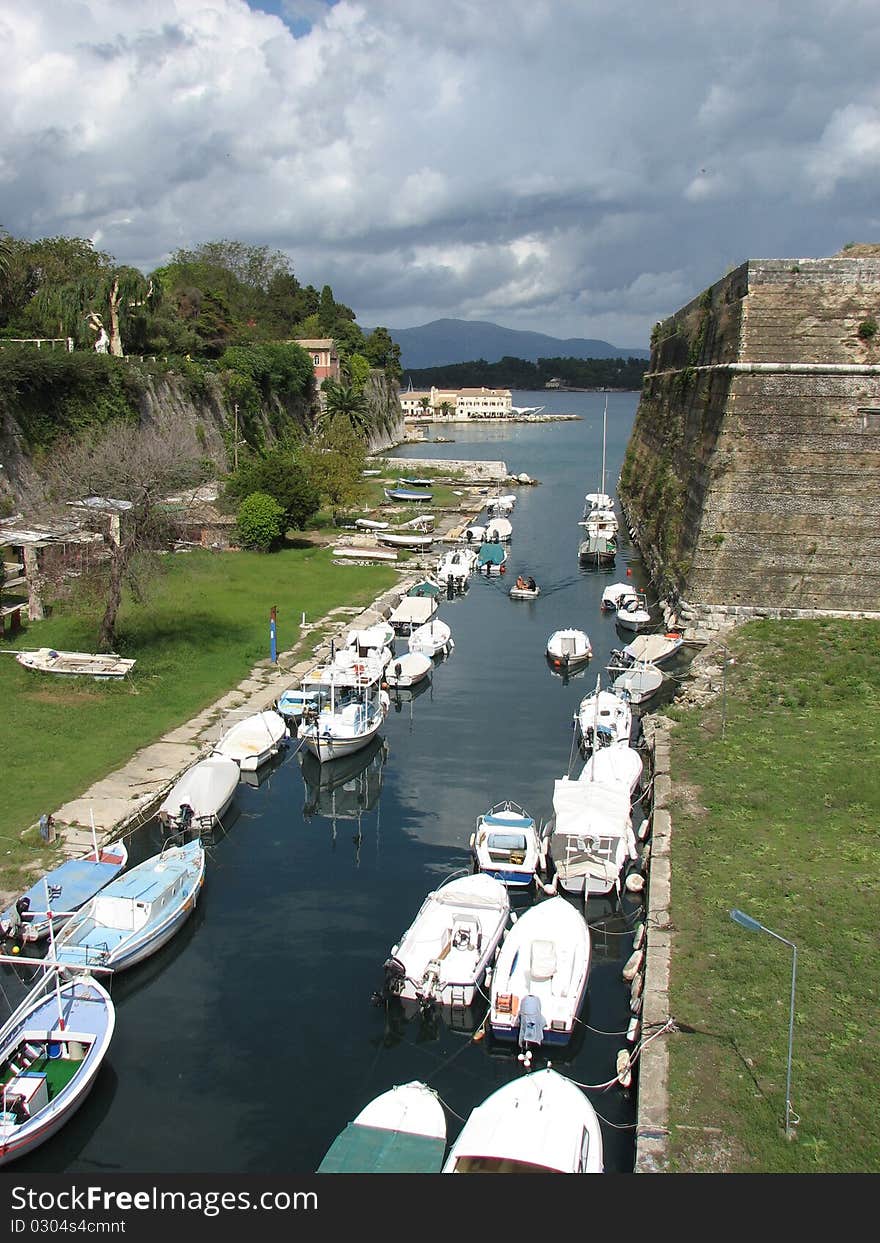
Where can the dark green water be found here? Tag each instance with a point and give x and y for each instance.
(251, 1040)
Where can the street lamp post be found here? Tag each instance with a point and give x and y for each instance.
(746, 921)
(728, 660)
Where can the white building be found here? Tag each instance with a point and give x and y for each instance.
(456, 404)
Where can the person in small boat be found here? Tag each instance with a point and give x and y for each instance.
(521, 583)
(532, 585)
(18, 915)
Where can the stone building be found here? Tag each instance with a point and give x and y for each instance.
(752, 476)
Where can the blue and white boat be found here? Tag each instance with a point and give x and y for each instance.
(134, 916)
(68, 887)
(405, 494)
(51, 1049)
(506, 844)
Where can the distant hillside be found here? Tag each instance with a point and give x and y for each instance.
(446, 341)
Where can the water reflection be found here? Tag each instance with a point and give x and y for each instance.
(344, 789)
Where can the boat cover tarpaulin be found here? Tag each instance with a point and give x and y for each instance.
(372, 1150)
(414, 611)
(591, 808)
(492, 554)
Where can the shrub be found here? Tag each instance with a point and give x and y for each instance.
(868, 329)
(260, 521)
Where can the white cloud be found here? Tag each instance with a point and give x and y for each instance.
(433, 160)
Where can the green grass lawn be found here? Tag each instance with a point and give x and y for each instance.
(204, 626)
(779, 818)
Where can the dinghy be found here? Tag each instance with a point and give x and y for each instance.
(505, 844)
(540, 977)
(201, 796)
(403, 494)
(76, 664)
(355, 554)
(541, 1123)
(408, 669)
(70, 885)
(431, 639)
(443, 956)
(633, 614)
(51, 1049)
(616, 595)
(405, 539)
(524, 592)
(136, 914)
(369, 524)
(639, 682)
(568, 649)
(654, 648)
(254, 740)
(403, 1131)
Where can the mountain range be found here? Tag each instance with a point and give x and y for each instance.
(446, 341)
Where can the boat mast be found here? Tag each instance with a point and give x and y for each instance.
(53, 957)
(604, 426)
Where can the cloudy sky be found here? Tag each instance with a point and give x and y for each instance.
(575, 167)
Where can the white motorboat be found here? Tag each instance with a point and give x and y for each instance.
(590, 834)
(372, 641)
(136, 914)
(455, 567)
(603, 717)
(633, 615)
(408, 669)
(351, 706)
(51, 1049)
(618, 763)
(102, 666)
(500, 506)
(505, 844)
(431, 639)
(639, 682)
(201, 796)
(654, 648)
(443, 956)
(498, 531)
(568, 649)
(371, 524)
(475, 533)
(540, 977)
(540, 1123)
(254, 740)
(403, 1131)
(616, 595)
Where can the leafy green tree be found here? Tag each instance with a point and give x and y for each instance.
(384, 352)
(335, 459)
(280, 475)
(327, 311)
(260, 521)
(358, 370)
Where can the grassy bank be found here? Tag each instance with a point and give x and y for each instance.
(778, 817)
(204, 626)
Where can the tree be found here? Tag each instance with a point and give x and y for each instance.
(260, 521)
(135, 468)
(83, 304)
(335, 459)
(384, 352)
(348, 401)
(278, 474)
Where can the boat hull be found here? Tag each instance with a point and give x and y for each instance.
(327, 748)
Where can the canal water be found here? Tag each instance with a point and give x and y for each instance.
(253, 1038)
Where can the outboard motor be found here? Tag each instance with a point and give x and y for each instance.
(531, 1021)
(395, 974)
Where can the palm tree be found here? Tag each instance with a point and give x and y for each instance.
(348, 400)
(445, 409)
(5, 252)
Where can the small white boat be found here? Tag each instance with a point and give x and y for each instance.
(639, 682)
(654, 648)
(541, 1123)
(351, 706)
(506, 845)
(412, 612)
(254, 740)
(135, 915)
(51, 1049)
(475, 533)
(633, 615)
(568, 649)
(618, 763)
(455, 567)
(351, 552)
(431, 639)
(408, 669)
(540, 977)
(590, 833)
(603, 718)
(405, 539)
(527, 590)
(201, 796)
(403, 1131)
(369, 524)
(421, 522)
(616, 595)
(294, 701)
(500, 506)
(443, 956)
(76, 664)
(372, 642)
(498, 531)
(405, 494)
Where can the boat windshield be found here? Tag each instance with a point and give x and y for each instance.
(507, 841)
(499, 1165)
